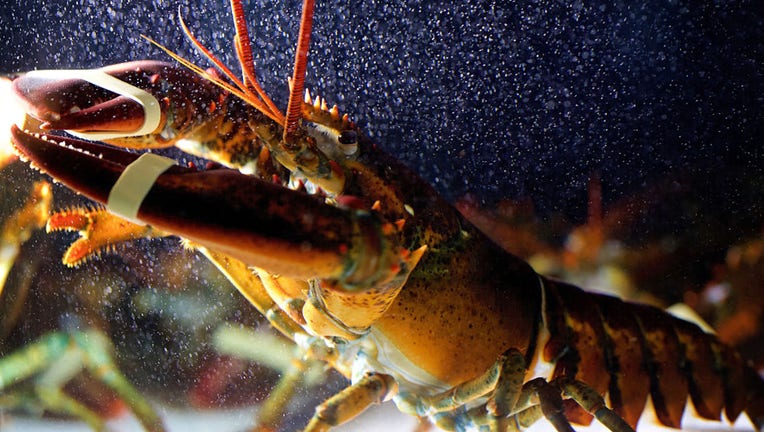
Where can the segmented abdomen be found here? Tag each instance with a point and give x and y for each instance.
(630, 350)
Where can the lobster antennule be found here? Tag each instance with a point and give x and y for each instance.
(294, 108)
(237, 88)
(248, 90)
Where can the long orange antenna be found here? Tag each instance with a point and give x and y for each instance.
(243, 45)
(244, 52)
(294, 109)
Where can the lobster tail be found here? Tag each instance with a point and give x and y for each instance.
(629, 350)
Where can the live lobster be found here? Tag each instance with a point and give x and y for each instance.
(359, 260)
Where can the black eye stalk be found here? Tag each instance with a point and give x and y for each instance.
(348, 137)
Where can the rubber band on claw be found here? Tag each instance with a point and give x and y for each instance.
(151, 110)
(135, 182)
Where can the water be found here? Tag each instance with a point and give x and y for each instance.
(498, 100)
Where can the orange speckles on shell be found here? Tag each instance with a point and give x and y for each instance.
(404, 254)
(388, 229)
(399, 224)
(395, 268)
(351, 201)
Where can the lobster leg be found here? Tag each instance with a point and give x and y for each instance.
(99, 363)
(347, 404)
(101, 230)
(92, 350)
(592, 402)
(251, 287)
(504, 381)
(549, 404)
(505, 376)
(275, 406)
(511, 404)
(19, 227)
(57, 401)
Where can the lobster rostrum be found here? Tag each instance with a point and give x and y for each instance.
(353, 256)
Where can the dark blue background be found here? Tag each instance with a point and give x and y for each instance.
(499, 99)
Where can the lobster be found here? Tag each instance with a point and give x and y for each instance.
(357, 259)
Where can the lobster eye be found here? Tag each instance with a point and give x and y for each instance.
(348, 142)
(348, 137)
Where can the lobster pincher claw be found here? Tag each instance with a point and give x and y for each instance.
(219, 208)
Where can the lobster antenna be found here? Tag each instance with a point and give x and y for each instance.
(244, 53)
(242, 42)
(294, 108)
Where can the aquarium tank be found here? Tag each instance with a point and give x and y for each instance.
(618, 146)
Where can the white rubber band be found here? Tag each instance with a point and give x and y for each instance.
(127, 194)
(152, 114)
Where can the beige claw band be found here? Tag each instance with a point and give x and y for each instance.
(152, 114)
(127, 194)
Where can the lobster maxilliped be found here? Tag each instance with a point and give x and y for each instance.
(357, 259)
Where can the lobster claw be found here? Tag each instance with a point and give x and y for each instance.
(118, 104)
(285, 231)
